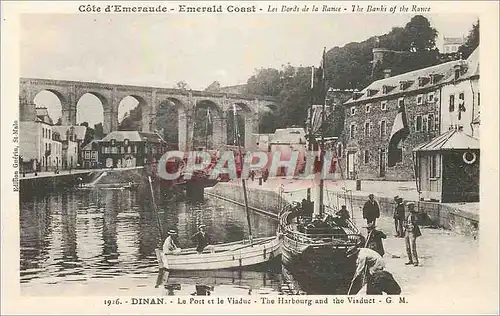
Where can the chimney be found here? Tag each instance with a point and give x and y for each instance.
(387, 73)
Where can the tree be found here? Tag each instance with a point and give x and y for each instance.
(99, 131)
(472, 41)
(132, 120)
(182, 85)
(347, 67)
(421, 35)
(89, 133)
(265, 82)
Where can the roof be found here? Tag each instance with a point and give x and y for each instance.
(120, 136)
(133, 136)
(450, 140)
(43, 116)
(444, 69)
(151, 137)
(293, 135)
(472, 66)
(78, 130)
(88, 146)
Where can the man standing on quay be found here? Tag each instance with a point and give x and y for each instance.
(371, 210)
(412, 231)
(399, 217)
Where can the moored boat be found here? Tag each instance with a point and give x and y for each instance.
(239, 254)
(315, 238)
(223, 256)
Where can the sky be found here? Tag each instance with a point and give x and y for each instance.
(156, 50)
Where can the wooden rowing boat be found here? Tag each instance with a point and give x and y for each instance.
(223, 256)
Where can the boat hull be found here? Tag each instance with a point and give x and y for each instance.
(322, 269)
(223, 256)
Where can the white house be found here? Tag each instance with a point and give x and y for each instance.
(460, 97)
(40, 146)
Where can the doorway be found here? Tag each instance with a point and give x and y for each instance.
(351, 161)
(382, 162)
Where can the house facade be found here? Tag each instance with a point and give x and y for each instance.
(121, 149)
(435, 99)
(90, 156)
(370, 116)
(461, 97)
(40, 145)
(72, 138)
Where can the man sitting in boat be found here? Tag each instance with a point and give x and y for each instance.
(342, 216)
(318, 226)
(201, 239)
(307, 208)
(170, 244)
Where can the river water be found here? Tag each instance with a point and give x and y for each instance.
(102, 241)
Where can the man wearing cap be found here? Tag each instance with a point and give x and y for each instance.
(201, 239)
(368, 262)
(399, 217)
(374, 239)
(412, 232)
(371, 210)
(170, 244)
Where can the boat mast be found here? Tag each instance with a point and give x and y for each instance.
(237, 138)
(206, 128)
(322, 144)
(309, 122)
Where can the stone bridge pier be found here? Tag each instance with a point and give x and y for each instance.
(150, 99)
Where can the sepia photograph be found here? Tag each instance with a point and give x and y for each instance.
(254, 154)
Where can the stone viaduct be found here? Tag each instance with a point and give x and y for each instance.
(150, 99)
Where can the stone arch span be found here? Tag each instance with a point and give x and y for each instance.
(171, 121)
(209, 126)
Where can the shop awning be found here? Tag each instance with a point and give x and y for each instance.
(450, 140)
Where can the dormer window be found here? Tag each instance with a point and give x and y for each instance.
(371, 92)
(386, 89)
(422, 81)
(432, 79)
(458, 71)
(356, 95)
(403, 85)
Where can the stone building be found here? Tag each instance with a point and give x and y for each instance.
(370, 114)
(120, 149)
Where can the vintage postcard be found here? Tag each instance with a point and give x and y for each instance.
(225, 157)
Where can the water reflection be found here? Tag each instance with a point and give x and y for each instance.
(105, 240)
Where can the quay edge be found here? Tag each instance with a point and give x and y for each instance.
(450, 216)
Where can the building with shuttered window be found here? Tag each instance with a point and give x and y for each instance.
(427, 95)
